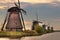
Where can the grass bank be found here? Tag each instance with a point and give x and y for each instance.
(14, 34)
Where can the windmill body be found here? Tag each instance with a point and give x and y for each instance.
(14, 21)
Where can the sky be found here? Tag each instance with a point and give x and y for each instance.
(48, 11)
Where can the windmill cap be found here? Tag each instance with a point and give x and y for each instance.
(13, 9)
(37, 22)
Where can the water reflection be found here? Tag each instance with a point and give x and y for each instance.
(8, 39)
(14, 39)
(4, 38)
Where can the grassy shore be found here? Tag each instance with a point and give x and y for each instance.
(14, 34)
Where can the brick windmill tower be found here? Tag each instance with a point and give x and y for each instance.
(14, 19)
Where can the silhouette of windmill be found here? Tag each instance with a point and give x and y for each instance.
(15, 19)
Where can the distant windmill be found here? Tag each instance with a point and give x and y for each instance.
(15, 19)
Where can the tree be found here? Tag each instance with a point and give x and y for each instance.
(39, 29)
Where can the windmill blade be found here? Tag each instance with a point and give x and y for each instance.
(16, 5)
(19, 3)
(4, 22)
(23, 10)
(21, 14)
(22, 20)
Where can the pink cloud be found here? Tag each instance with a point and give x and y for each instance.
(3, 7)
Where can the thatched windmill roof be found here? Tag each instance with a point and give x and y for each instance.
(13, 9)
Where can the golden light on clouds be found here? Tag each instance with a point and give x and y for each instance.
(30, 1)
(38, 1)
(59, 0)
(2, 7)
(3, 1)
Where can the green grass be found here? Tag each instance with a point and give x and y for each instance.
(13, 34)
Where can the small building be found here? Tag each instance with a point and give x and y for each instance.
(34, 23)
(52, 29)
(48, 28)
(44, 26)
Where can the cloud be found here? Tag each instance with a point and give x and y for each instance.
(40, 1)
(2, 7)
(52, 2)
(30, 1)
(3, 1)
(56, 20)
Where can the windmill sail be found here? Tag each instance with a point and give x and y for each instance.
(23, 21)
(19, 3)
(21, 14)
(4, 22)
(16, 5)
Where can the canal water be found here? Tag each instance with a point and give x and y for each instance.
(49, 36)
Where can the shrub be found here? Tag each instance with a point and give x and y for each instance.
(31, 33)
(39, 29)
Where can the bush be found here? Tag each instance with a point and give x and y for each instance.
(39, 29)
(30, 33)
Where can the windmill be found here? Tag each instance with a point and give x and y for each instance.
(15, 18)
(21, 13)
